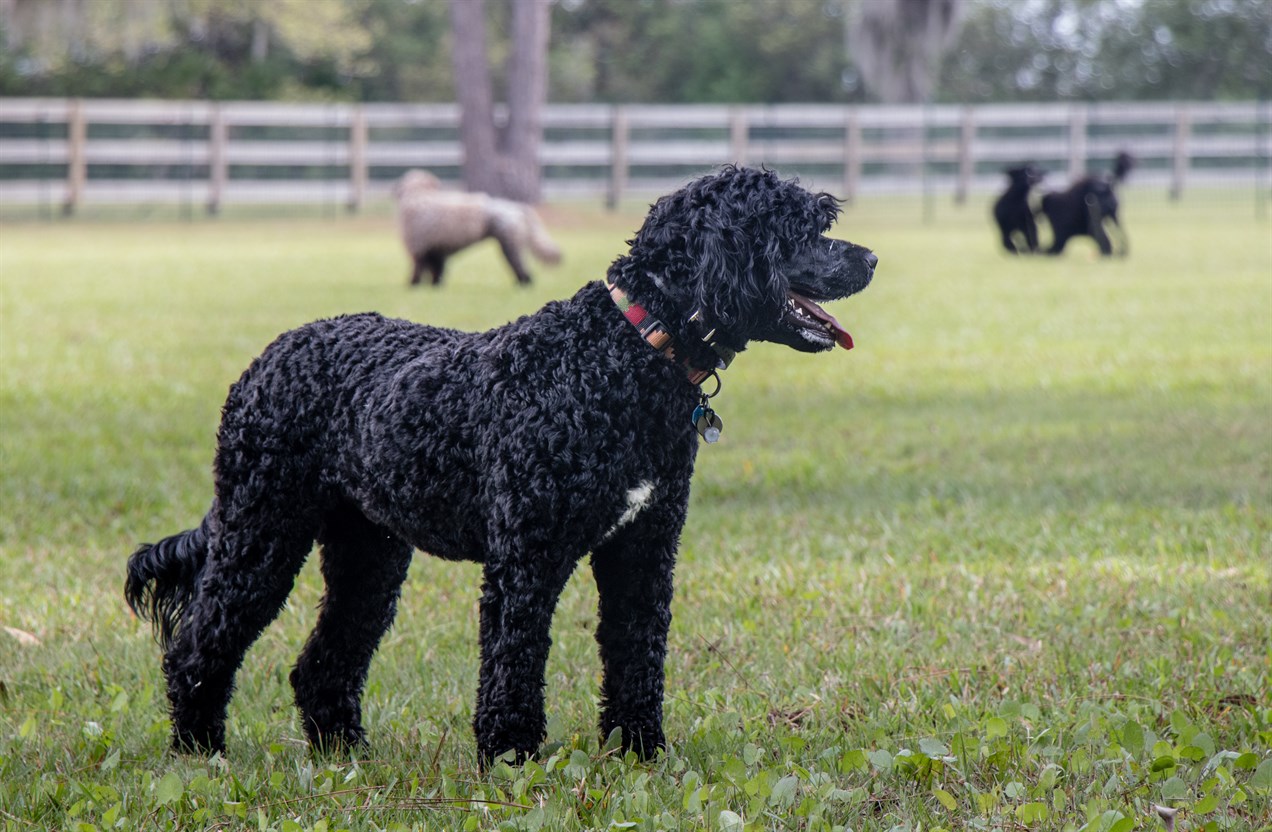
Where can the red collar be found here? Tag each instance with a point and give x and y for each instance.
(656, 334)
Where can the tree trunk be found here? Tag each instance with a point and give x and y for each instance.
(504, 164)
(527, 90)
(897, 45)
(472, 91)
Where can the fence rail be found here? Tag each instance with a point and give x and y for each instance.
(70, 152)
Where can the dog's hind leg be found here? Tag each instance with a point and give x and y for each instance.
(363, 566)
(519, 596)
(418, 263)
(633, 571)
(254, 554)
(511, 252)
(436, 262)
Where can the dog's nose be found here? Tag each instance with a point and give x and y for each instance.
(872, 259)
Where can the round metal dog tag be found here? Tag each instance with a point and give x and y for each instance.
(708, 424)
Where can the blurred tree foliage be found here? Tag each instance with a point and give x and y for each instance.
(1100, 50)
(628, 50)
(720, 51)
(183, 48)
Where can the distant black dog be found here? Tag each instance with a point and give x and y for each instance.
(1086, 207)
(1013, 212)
(567, 432)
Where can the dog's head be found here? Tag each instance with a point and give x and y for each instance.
(1026, 175)
(747, 253)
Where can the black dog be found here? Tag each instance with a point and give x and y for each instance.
(1086, 206)
(1012, 211)
(567, 432)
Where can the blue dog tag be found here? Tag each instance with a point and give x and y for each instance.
(707, 423)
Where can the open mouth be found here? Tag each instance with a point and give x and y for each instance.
(813, 322)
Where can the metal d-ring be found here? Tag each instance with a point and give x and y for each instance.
(713, 374)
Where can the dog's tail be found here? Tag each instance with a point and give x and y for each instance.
(537, 237)
(163, 578)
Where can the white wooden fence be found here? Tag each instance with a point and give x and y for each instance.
(71, 152)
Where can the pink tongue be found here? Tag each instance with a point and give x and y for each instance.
(842, 338)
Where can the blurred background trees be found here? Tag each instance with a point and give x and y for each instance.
(1096, 50)
(897, 45)
(721, 51)
(184, 48)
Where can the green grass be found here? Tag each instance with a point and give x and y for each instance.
(1006, 565)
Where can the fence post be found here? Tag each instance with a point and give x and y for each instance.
(618, 157)
(76, 163)
(1181, 154)
(739, 135)
(1262, 186)
(852, 154)
(217, 166)
(925, 175)
(1077, 140)
(357, 158)
(966, 136)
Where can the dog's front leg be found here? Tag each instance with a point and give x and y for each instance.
(518, 598)
(633, 571)
(1031, 233)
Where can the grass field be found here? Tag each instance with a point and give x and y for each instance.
(1007, 565)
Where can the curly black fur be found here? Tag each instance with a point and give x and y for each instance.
(1013, 213)
(524, 448)
(1088, 208)
(162, 578)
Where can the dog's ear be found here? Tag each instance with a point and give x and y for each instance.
(734, 270)
(661, 241)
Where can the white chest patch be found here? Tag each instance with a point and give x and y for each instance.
(638, 499)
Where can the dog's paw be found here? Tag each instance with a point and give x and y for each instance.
(201, 741)
(646, 739)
